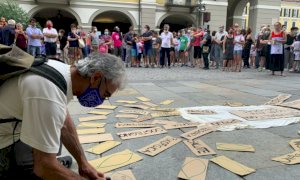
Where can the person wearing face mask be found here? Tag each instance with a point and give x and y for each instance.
(63, 41)
(147, 39)
(228, 49)
(239, 41)
(50, 37)
(34, 38)
(94, 38)
(117, 41)
(167, 41)
(288, 54)
(277, 39)
(128, 41)
(219, 40)
(108, 40)
(264, 49)
(28, 149)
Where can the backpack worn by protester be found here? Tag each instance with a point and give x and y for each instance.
(14, 62)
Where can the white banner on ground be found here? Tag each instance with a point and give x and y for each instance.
(223, 113)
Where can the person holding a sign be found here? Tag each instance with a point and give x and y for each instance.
(277, 39)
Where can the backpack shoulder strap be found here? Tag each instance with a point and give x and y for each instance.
(52, 75)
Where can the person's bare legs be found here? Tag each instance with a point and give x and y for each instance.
(225, 64)
(262, 63)
(172, 56)
(239, 63)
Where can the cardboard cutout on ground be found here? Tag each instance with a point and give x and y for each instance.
(201, 112)
(121, 175)
(235, 104)
(144, 99)
(115, 161)
(134, 125)
(181, 125)
(295, 143)
(88, 124)
(165, 114)
(292, 158)
(193, 169)
(137, 106)
(92, 118)
(164, 122)
(198, 147)
(103, 147)
(84, 139)
(232, 166)
(193, 134)
(126, 101)
(279, 99)
(263, 114)
(90, 131)
(159, 146)
(131, 111)
(235, 147)
(106, 107)
(142, 118)
(166, 102)
(223, 123)
(163, 109)
(150, 104)
(100, 112)
(141, 133)
(292, 104)
(129, 116)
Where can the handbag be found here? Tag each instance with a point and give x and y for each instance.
(81, 43)
(205, 49)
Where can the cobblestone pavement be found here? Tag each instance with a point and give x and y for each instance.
(197, 87)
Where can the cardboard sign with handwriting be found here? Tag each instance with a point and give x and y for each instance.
(141, 133)
(106, 107)
(292, 158)
(198, 147)
(193, 134)
(137, 106)
(115, 161)
(235, 147)
(279, 99)
(295, 143)
(126, 101)
(166, 102)
(94, 125)
(223, 123)
(232, 166)
(144, 99)
(194, 169)
(83, 139)
(163, 109)
(149, 104)
(181, 125)
(103, 147)
(165, 114)
(129, 116)
(159, 146)
(90, 131)
(201, 112)
(100, 112)
(263, 114)
(92, 118)
(130, 111)
(164, 122)
(142, 118)
(121, 175)
(134, 125)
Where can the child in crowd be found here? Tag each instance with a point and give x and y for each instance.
(134, 50)
(296, 48)
(140, 47)
(103, 48)
(252, 55)
(43, 48)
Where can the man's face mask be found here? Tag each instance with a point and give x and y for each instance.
(91, 97)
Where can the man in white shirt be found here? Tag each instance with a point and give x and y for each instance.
(41, 107)
(50, 38)
(167, 39)
(219, 38)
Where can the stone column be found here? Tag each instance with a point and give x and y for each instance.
(218, 10)
(148, 10)
(263, 12)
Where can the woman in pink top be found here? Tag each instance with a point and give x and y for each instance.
(117, 41)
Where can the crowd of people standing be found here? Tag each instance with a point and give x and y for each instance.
(194, 47)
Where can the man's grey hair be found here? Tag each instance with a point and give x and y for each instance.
(111, 66)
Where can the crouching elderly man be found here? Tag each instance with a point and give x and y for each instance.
(28, 150)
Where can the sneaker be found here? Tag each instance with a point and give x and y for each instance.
(65, 161)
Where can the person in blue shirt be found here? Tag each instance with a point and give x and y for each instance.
(8, 33)
(34, 38)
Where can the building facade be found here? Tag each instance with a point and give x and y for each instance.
(155, 13)
(290, 13)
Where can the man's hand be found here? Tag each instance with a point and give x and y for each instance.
(89, 172)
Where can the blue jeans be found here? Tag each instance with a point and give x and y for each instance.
(84, 51)
(34, 50)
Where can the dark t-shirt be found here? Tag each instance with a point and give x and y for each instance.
(289, 39)
(63, 42)
(147, 34)
(8, 35)
(208, 40)
(128, 37)
(73, 43)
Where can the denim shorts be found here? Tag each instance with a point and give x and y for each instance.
(237, 52)
(133, 52)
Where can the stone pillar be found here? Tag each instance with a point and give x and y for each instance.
(263, 12)
(148, 11)
(218, 10)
